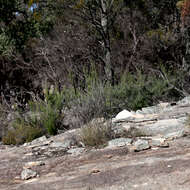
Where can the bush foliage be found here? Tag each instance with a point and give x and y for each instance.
(133, 92)
(50, 110)
(23, 131)
(99, 100)
(96, 134)
(43, 118)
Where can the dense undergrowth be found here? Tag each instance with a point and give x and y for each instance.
(141, 56)
(46, 116)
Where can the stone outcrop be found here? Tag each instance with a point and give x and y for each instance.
(164, 120)
(28, 174)
(149, 142)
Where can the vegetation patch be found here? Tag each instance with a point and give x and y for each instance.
(22, 132)
(49, 109)
(96, 134)
(44, 117)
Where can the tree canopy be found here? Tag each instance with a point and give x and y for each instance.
(54, 40)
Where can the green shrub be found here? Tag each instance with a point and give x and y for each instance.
(50, 110)
(49, 119)
(44, 118)
(96, 134)
(6, 45)
(136, 91)
(23, 131)
(9, 138)
(132, 92)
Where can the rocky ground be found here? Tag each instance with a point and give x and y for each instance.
(157, 160)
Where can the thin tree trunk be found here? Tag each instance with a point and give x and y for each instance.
(106, 41)
(186, 59)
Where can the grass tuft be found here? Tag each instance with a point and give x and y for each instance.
(96, 134)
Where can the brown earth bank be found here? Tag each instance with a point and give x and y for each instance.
(116, 168)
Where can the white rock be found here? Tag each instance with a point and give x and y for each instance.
(123, 115)
(64, 144)
(141, 145)
(76, 151)
(31, 164)
(159, 142)
(119, 142)
(59, 145)
(184, 101)
(28, 174)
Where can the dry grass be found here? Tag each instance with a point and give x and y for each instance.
(96, 134)
(22, 133)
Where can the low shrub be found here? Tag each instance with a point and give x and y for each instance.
(44, 117)
(9, 138)
(90, 105)
(23, 131)
(98, 100)
(50, 110)
(133, 92)
(6, 118)
(96, 134)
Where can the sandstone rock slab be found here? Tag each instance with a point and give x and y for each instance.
(76, 151)
(28, 174)
(164, 128)
(140, 145)
(159, 142)
(35, 163)
(119, 142)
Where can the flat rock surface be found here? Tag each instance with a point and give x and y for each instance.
(115, 168)
(164, 168)
(169, 122)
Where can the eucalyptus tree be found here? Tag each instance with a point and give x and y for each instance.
(101, 15)
(184, 6)
(22, 22)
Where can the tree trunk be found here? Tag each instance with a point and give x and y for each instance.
(186, 59)
(106, 41)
